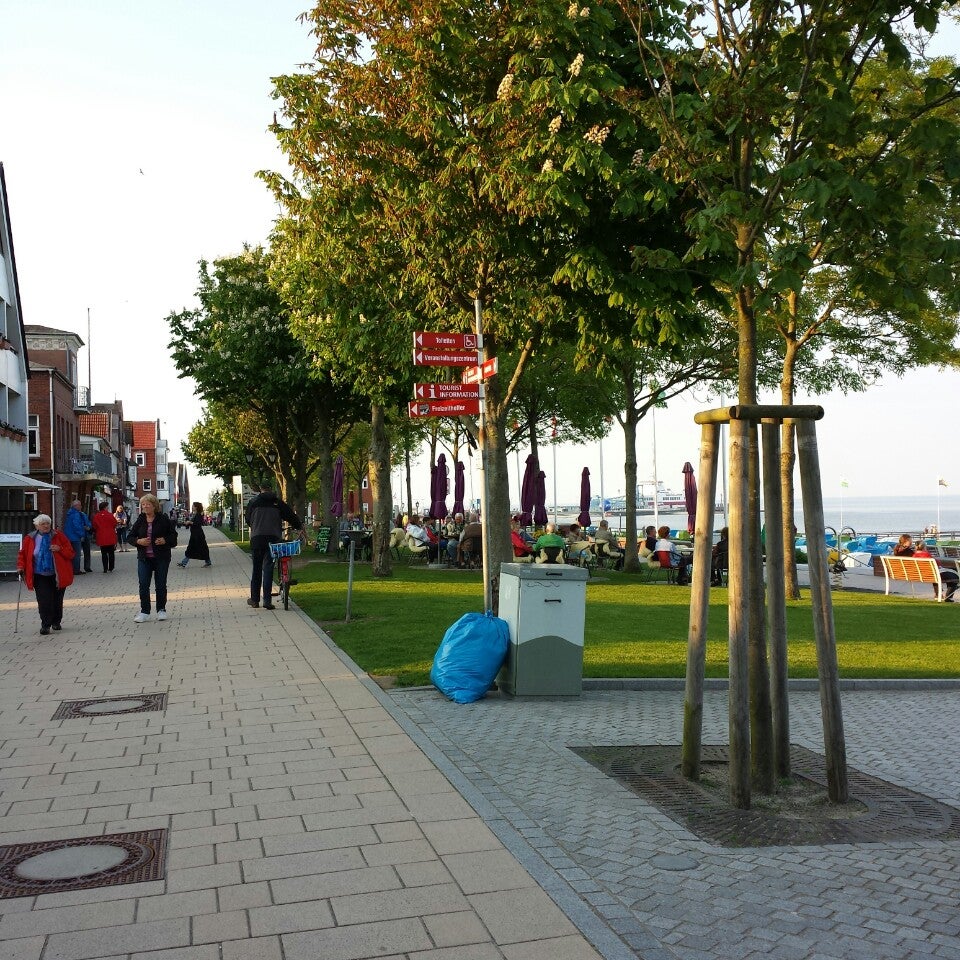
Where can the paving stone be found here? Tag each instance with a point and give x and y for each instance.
(357, 942)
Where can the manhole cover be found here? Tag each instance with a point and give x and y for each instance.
(54, 866)
(110, 706)
(877, 812)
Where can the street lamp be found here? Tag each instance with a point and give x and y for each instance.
(272, 460)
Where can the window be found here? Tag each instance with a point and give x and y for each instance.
(33, 435)
(147, 485)
(141, 459)
(161, 485)
(30, 502)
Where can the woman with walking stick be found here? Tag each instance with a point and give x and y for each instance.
(46, 559)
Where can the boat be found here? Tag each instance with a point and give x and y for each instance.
(656, 498)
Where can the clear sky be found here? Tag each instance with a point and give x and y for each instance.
(130, 136)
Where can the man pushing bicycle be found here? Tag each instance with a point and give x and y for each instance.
(266, 514)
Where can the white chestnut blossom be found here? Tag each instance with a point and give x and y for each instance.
(573, 10)
(555, 123)
(547, 166)
(597, 134)
(506, 85)
(576, 66)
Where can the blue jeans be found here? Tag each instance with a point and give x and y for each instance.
(261, 578)
(155, 567)
(77, 554)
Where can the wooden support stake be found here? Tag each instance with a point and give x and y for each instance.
(822, 604)
(739, 616)
(700, 603)
(776, 597)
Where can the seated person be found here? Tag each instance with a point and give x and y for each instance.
(549, 538)
(577, 542)
(419, 536)
(948, 576)
(397, 538)
(719, 561)
(450, 536)
(607, 544)
(522, 550)
(471, 533)
(649, 542)
(904, 547)
(679, 561)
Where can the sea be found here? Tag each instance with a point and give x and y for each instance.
(864, 515)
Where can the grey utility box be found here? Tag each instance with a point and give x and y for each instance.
(544, 605)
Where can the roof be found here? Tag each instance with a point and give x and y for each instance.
(37, 330)
(94, 424)
(144, 434)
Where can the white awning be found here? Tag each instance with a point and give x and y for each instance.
(8, 479)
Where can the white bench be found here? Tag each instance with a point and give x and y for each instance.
(912, 570)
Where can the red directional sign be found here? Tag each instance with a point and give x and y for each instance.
(445, 391)
(446, 341)
(475, 374)
(444, 408)
(444, 358)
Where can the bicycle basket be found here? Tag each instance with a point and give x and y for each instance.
(288, 548)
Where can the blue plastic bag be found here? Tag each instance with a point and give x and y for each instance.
(469, 656)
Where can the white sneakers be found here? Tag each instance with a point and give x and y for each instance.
(142, 617)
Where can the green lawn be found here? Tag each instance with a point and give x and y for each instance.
(632, 629)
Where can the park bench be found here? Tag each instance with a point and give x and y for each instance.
(912, 570)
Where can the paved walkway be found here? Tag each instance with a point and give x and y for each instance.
(303, 822)
(313, 816)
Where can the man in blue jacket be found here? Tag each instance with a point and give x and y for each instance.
(266, 513)
(76, 529)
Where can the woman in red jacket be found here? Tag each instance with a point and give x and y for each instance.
(104, 525)
(46, 559)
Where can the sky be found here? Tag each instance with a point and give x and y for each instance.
(131, 136)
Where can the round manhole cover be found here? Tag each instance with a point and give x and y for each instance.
(112, 706)
(69, 862)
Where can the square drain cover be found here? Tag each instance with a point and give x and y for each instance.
(54, 866)
(111, 706)
(878, 812)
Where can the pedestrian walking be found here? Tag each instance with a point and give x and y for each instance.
(105, 533)
(123, 521)
(45, 558)
(154, 536)
(266, 513)
(75, 530)
(197, 548)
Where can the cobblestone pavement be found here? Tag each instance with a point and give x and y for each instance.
(302, 822)
(665, 893)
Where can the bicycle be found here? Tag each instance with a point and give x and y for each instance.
(282, 553)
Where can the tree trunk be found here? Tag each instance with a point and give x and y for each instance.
(631, 562)
(406, 462)
(379, 474)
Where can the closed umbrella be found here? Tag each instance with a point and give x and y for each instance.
(458, 486)
(438, 506)
(583, 517)
(336, 494)
(690, 496)
(540, 499)
(528, 491)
